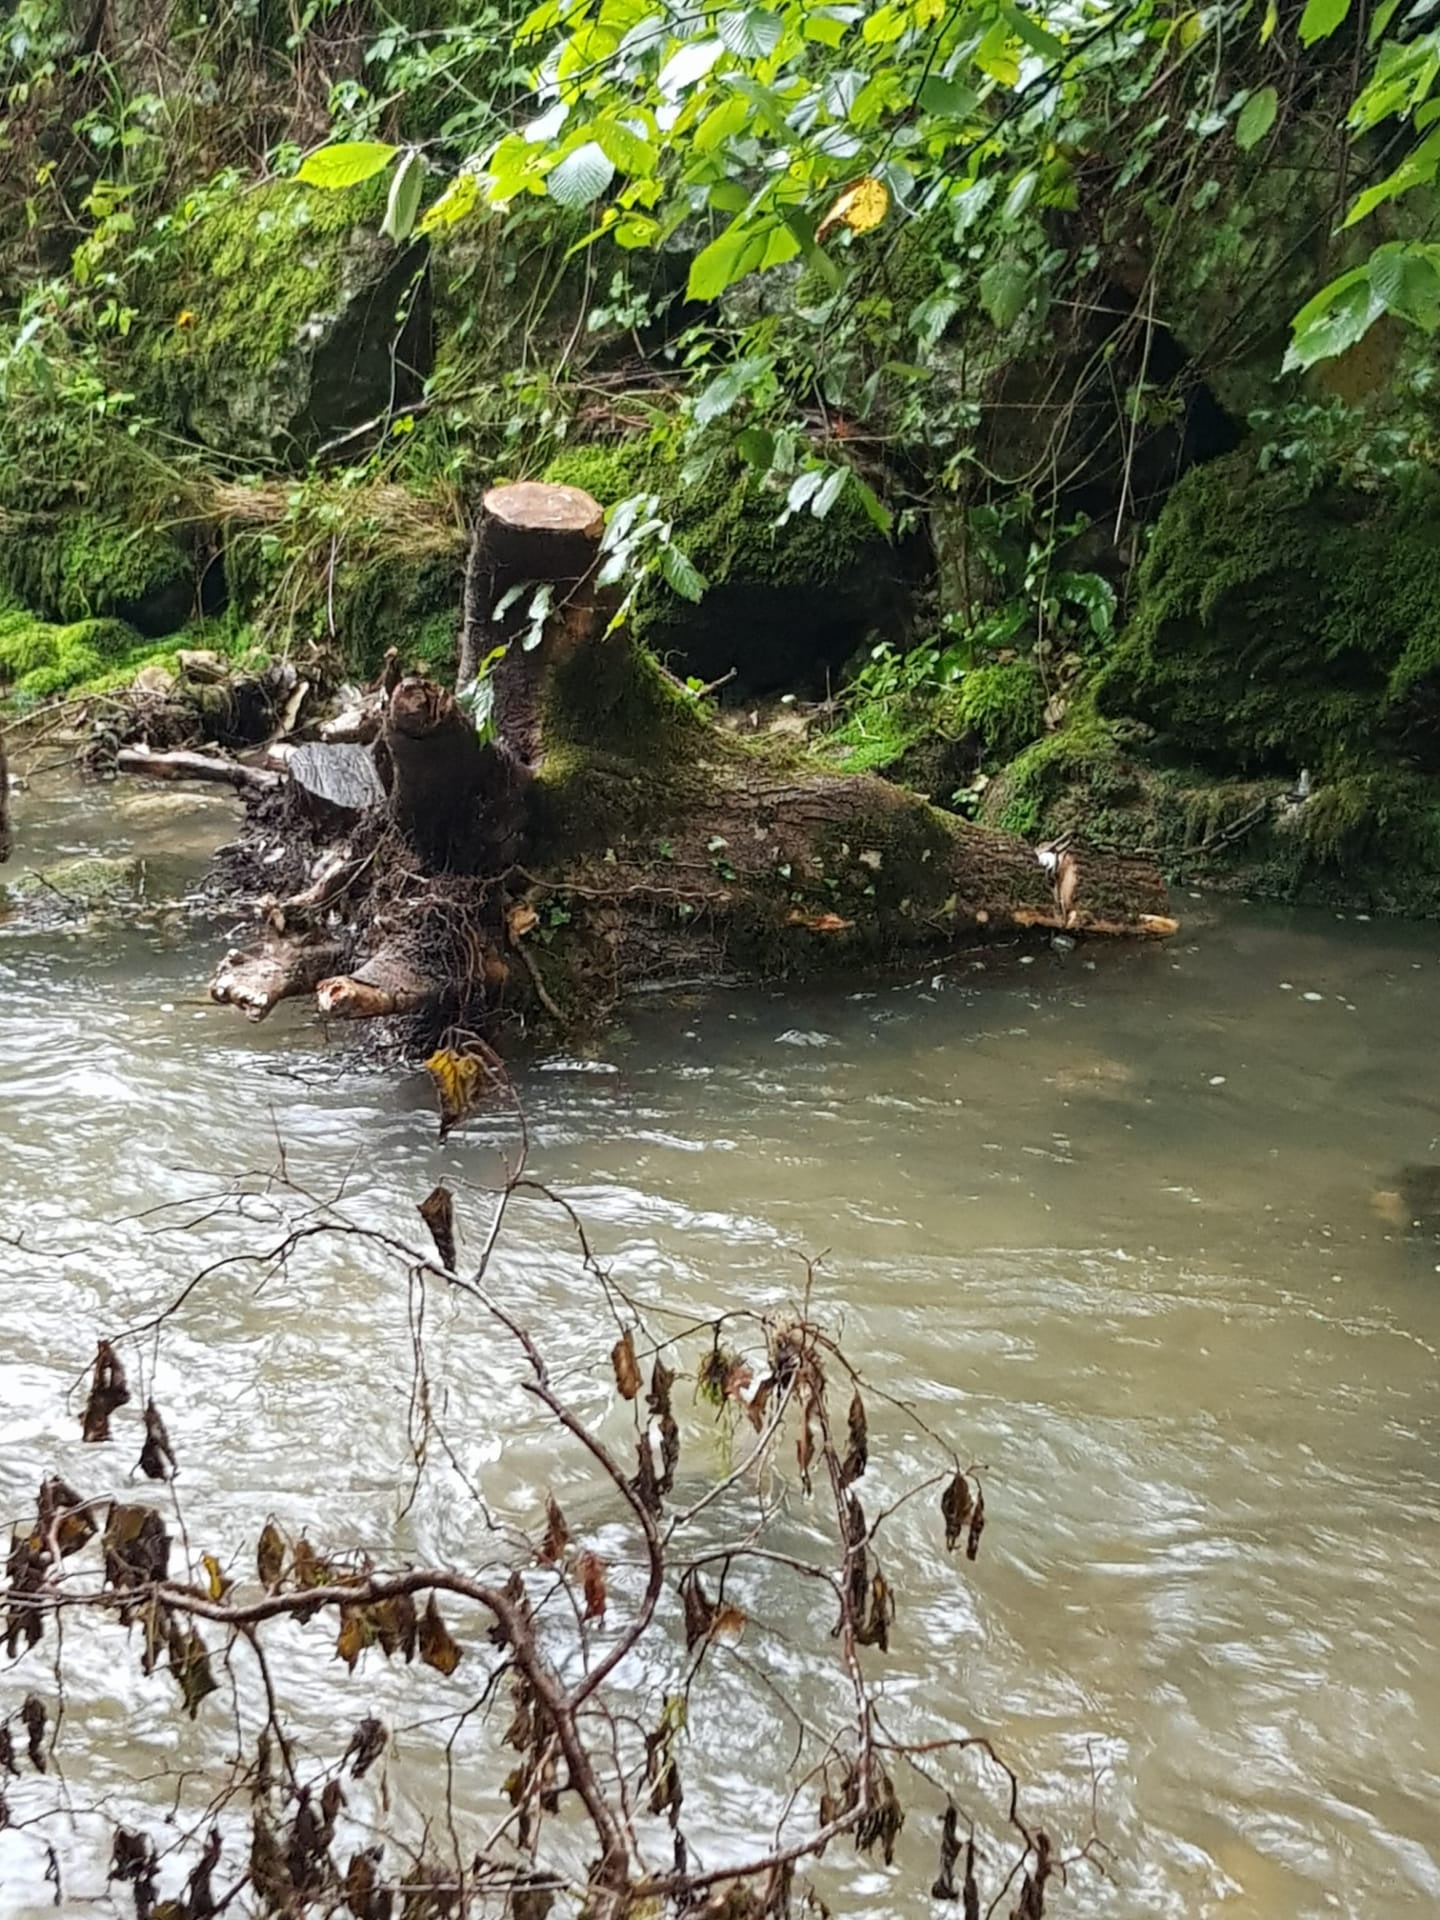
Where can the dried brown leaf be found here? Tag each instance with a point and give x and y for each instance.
(857, 1456)
(108, 1391)
(875, 1630)
(944, 1887)
(136, 1545)
(977, 1525)
(699, 1610)
(216, 1583)
(395, 1625)
(557, 1534)
(157, 1456)
(190, 1664)
(437, 1210)
(437, 1645)
(591, 1569)
(627, 1367)
(356, 1633)
(367, 1743)
(956, 1503)
(61, 1511)
(270, 1557)
(32, 1718)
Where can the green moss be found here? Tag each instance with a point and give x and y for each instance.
(1278, 628)
(1079, 770)
(608, 473)
(41, 660)
(779, 600)
(1004, 706)
(84, 565)
(257, 267)
(411, 605)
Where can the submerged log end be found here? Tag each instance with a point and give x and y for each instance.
(384, 985)
(256, 983)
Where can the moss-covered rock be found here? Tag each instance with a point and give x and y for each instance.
(1279, 628)
(785, 606)
(293, 321)
(39, 660)
(88, 565)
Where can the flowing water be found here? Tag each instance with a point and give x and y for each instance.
(1107, 1219)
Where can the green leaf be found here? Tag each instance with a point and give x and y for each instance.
(728, 257)
(687, 65)
(722, 123)
(581, 177)
(1004, 290)
(1027, 28)
(630, 152)
(875, 508)
(756, 448)
(947, 99)
(1403, 275)
(681, 573)
(752, 33)
(1417, 169)
(1256, 118)
(1022, 192)
(404, 201)
(1320, 19)
(346, 164)
(802, 490)
(1334, 320)
(725, 389)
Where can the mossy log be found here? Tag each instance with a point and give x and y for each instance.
(609, 836)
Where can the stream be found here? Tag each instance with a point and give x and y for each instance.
(1115, 1221)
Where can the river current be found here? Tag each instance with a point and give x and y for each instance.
(1130, 1226)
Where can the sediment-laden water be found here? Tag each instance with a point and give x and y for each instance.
(1122, 1223)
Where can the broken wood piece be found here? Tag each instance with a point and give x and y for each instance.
(181, 764)
(281, 970)
(384, 985)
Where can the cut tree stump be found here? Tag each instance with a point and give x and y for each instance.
(527, 533)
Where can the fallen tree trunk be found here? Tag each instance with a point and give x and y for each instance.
(606, 835)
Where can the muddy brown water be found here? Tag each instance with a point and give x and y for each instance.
(1108, 1219)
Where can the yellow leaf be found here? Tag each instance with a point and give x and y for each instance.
(519, 920)
(356, 1633)
(862, 205)
(458, 200)
(459, 1081)
(219, 1586)
(1271, 21)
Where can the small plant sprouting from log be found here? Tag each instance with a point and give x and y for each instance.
(590, 1644)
